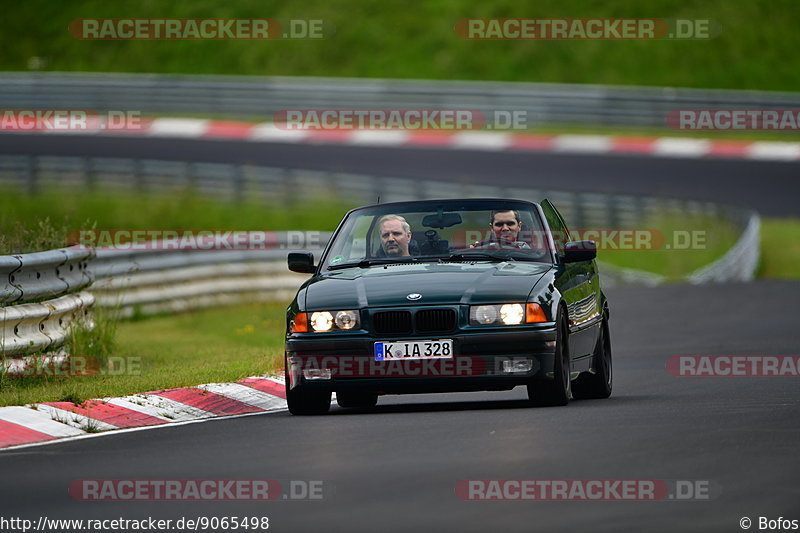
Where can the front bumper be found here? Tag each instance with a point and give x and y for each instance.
(480, 361)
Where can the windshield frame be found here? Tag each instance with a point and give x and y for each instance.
(457, 204)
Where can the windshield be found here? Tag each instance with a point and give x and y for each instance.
(465, 230)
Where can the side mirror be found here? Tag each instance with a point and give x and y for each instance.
(577, 251)
(302, 262)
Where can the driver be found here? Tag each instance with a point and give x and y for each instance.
(505, 226)
(395, 235)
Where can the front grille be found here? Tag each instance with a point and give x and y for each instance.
(435, 320)
(392, 322)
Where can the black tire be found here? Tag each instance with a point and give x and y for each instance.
(557, 391)
(597, 385)
(302, 401)
(356, 399)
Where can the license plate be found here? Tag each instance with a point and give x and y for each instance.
(438, 349)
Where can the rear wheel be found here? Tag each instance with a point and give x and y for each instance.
(356, 399)
(597, 385)
(558, 390)
(302, 401)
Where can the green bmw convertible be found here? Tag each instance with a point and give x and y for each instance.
(447, 296)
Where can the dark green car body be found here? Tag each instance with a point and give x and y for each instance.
(431, 299)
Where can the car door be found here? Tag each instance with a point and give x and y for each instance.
(579, 286)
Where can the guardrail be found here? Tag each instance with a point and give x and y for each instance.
(739, 263)
(41, 275)
(43, 294)
(261, 97)
(36, 327)
(153, 281)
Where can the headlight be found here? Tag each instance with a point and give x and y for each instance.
(322, 321)
(483, 314)
(510, 314)
(346, 319)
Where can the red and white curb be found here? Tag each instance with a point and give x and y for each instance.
(50, 421)
(460, 140)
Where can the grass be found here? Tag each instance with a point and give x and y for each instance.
(756, 48)
(90, 348)
(96, 338)
(213, 345)
(687, 242)
(23, 230)
(780, 248)
(32, 234)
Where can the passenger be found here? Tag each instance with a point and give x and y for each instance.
(505, 226)
(395, 235)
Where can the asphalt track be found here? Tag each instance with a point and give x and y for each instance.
(770, 187)
(395, 469)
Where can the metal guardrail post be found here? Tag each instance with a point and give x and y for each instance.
(31, 175)
(88, 172)
(138, 176)
(579, 217)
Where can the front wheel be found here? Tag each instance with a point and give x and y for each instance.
(558, 391)
(597, 385)
(302, 401)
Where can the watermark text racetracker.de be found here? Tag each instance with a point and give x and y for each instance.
(360, 366)
(69, 120)
(401, 119)
(193, 239)
(638, 490)
(548, 29)
(71, 366)
(734, 365)
(251, 490)
(639, 239)
(120, 29)
(734, 119)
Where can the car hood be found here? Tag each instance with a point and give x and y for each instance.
(437, 283)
